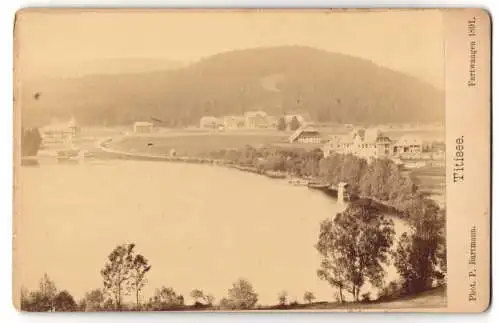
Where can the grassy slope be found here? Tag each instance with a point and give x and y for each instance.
(434, 298)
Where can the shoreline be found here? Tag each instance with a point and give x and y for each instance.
(310, 183)
(294, 180)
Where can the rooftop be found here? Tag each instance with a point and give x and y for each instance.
(143, 123)
(306, 128)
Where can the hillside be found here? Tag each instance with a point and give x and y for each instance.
(328, 86)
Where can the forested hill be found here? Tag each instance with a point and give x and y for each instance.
(328, 86)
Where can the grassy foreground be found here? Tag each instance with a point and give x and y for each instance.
(434, 298)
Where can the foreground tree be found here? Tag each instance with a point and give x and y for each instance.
(93, 301)
(47, 287)
(282, 298)
(117, 273)
(64, 302)
(140, 268)
(337, 276)
(241, 296)
(309, 297)
(41, 300)
(164, 299)
(196, 295)
(354, 246)
(209, 299)
(420, 256)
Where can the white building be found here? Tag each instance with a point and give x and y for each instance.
(234, 122)
(59, 134)
(305, 135)
(256, 119)
(407, 145)
(143, 127)
(365, 143)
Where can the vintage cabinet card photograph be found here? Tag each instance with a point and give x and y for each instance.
(251, 160)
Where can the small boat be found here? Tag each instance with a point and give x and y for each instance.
(318, 185)
(298, 181)
(275, 174)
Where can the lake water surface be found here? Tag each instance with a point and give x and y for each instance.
(200, 226)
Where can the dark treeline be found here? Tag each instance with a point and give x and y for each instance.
(293, 161)
(30, 141)
(381, 179)
(327, 86)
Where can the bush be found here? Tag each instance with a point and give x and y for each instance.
(366, 297)
(392, 291)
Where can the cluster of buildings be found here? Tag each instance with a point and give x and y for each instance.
(59, 134)
(250, 120)
(365, 143)
(373, 143)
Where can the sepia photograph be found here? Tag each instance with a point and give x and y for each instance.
(231, 160)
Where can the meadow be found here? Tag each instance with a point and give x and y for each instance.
(197, 142)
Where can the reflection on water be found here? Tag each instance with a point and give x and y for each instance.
(200, 226)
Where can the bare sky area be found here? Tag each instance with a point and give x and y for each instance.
(410, 41)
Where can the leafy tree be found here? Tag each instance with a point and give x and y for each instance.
(196, 295)
(41, 300)
(365, 297)
(165, 298)
(209, 299)
(241, 295)
(309, 297)
(140, 268)
(282, 297)
(64, 302)
(93, 301)
(294, 123)
(117, 273)
(351, 171)
(418, 254)
(47, 287)
(30, 141)
(281, 126)
(441, 248)
(354, 246)
(37, 302)
(25, 294)
(335, 275)
(225, 304)
(390, 291)
(109, 305)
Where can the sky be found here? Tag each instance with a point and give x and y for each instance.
(409, 41)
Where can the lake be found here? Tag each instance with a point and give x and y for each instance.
(200, 226)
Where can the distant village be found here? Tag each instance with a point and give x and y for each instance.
(372, 142)
(366, 143)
